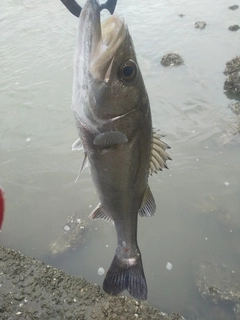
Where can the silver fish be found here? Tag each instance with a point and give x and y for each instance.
(113, 119)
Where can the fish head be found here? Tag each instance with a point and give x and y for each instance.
(106, 68)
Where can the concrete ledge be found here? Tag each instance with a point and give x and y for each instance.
(31, 290)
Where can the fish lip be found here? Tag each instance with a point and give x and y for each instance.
(105, 39)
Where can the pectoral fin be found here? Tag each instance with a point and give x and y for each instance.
(148, 206)
(83, 166)
(100, 213)
(110, 138)
(77, 145)
(158, 154)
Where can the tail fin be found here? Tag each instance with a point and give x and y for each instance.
(126, 274)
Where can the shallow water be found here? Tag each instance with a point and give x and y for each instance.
(198, 201)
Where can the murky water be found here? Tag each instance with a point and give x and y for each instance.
(198, 203)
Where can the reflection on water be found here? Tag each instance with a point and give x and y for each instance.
(198, 202)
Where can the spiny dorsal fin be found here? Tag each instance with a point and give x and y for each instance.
(77, 145)
(100, 213)
(158, 155)
(148, 206)
(110, 138)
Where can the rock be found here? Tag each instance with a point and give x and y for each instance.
(220, 285)
(190, 313)
(235, 107)
(172, 59)
(219, 312)
(234, 7)
(32, 290)
(200, 25)
(232, 83)
(232, 66)
(229, 218)
(234, 27)
(230, 131)
(71, 236)
(232, 70)
(207, 204)
(215, 206)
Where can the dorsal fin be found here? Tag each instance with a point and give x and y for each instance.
(158, 155)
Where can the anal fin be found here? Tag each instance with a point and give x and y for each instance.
(148, 206)
(100, 213)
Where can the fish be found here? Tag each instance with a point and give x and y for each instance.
(75, 8)
(1, 207)
(113, 118)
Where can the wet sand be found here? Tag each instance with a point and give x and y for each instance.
(29, 289)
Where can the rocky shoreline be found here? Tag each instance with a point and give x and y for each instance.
(31, 290)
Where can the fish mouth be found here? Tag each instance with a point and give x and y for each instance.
(105, 39)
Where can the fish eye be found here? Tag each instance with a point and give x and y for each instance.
(128, 71)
